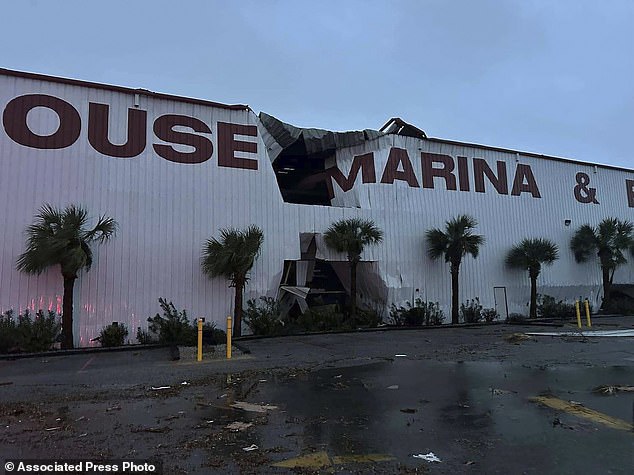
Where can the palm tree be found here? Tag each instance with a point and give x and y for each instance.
(529, 255)
(61, 237)
(351, 236)
(609, 239)
(232, 257)
(455, 242)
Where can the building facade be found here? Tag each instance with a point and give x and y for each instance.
(173, 171)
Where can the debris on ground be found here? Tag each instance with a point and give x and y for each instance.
(517, 337)
(500, 392)
(238, 426)
(160, 388)
(610, 390)
(6, 383)
(408, 410)
(156, 430)
(247, 406)
(52, 428)
(250, 448)
(394, 386)
(430, 457)
(400, 356)
(113, 408)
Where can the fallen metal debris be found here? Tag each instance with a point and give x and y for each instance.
(610, 390)
(592, 333)
(247, 406)
(400, 356)
(159, 388)
(430, 457)
(52, 428)
(250, 448)
(394, 386)
(500, 392)
(238, 426)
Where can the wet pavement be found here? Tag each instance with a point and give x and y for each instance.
(342, 403)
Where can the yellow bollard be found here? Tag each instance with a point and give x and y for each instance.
(588, 314)
(229, 337)
(200, 339)
(578, 313)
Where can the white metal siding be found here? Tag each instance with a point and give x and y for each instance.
(167, 210)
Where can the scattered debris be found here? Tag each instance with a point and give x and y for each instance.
(247, 406)
(80, 418)
(469, 462)
(593, 333)
(430, 457)
(156, 430)
(250, 448)
(517, 337)
(394, 386)
(338, 376)
(6, 383)
(238, 426)
(113, 408)
(409, 411)
(500, 392)
(221, 396)
(53, 428)
(185, 383)
(160, 388)
(262, 381)
(611, 390)
(400, 356)
(83, 435)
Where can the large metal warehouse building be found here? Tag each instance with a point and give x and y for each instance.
(173, 171)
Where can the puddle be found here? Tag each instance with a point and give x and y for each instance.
(476, 412)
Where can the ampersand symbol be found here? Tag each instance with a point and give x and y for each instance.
(584, 194)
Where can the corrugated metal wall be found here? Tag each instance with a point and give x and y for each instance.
(166, 210)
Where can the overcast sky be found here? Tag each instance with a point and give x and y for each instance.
(552, 77)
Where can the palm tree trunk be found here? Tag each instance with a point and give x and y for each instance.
(237, 309)
(67, 313)
(607, 287)
(533, 307)
(353, 288)
(455, 270)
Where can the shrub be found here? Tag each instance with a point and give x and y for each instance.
(620, 305)
(471, 311)
(489, 315)
(421, 313)
(263, 318)
(173, 327)
(28, 334)
(548, 307)
(144, 337)
(212, 335)
(113, 335)
(365, 319)
(323, 318)
(516, 318)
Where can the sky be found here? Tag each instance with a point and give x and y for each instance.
(550, 77)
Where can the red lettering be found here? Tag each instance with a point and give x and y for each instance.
(463, 174)
(14, 120)
(228, 145)
(429, 172)
(364, 162)
(98, 132)
(524, 172)
(164, 130)
(481, 168)
(399, 156)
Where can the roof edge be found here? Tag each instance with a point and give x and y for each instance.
(127, 90)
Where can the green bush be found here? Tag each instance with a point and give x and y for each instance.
(619, 305)
(323, 318)
(144, 337)
(548, 307)
(113, 335)
(263, 316)
(28, 334)
(366, 318)
(172, 327)
(516, 318)
(471, 311)
(421, 313)
(489, 315)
